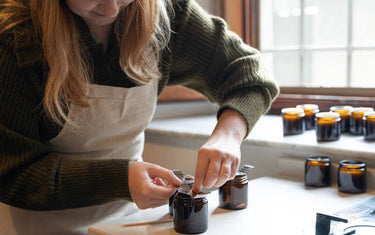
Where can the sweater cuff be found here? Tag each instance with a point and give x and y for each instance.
(92, 182)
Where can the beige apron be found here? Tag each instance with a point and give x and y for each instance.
(111, 127)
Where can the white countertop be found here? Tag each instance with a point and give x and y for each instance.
(276, 206)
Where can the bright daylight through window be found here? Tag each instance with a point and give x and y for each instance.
(319, 43)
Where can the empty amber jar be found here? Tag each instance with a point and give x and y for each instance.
(356, 119)
(352, 176)
(293, 121)
(190, 213)
(328, 126)
(369, 126)
(233, 194)
(344, 112)
(318, 171)
(310, 111)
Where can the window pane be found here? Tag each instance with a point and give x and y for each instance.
(326, 22)
(285, 67)
(363, 69)
(363, 18)
(280, 23)
(326, 69)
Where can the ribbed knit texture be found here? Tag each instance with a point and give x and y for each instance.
(203, 55)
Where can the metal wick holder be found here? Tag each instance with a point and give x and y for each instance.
(323, 224)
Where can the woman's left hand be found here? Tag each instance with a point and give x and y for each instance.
(220, 156)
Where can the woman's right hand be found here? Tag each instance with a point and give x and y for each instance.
(151, 185)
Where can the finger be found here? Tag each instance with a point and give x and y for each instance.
(164, 174)
(212, 173)
(233, 170)
(158, 181)
(225, 172)
(235, 166)
(200, 171)
(161, 192)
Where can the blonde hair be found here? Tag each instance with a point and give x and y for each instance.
(144, 26)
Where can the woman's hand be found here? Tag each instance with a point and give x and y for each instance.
(151, 185)
(220, 156)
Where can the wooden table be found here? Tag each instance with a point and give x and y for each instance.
(276, 206)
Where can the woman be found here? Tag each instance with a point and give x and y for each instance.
(79, 81)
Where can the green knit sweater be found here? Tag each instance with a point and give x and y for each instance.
(202, 55)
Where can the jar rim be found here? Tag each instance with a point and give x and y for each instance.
(370, 113)
(343, 107)
(308, 106)
(352, 163)
(318, 158)
(185, 198)
(239, 177)
(362, 109)
(293, 112)
(327, 114)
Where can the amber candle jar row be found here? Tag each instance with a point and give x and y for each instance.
(351, 176)
(329, 125)
(354, 120)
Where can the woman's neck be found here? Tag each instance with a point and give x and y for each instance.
(101, 33)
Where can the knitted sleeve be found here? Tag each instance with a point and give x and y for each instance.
(214, 61)
(31, 177)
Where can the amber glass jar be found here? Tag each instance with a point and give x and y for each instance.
(352, 176)
(310, 111)
(187, 183)
(328, 126)
(318, 171)
(233, 194)
(293, 121)
(344, 112)
(356, 119)
(190, 213)
(369, 126)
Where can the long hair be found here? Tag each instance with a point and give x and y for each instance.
(144, 26)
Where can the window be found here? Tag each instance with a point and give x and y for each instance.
(320, 47)
(329, 43)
